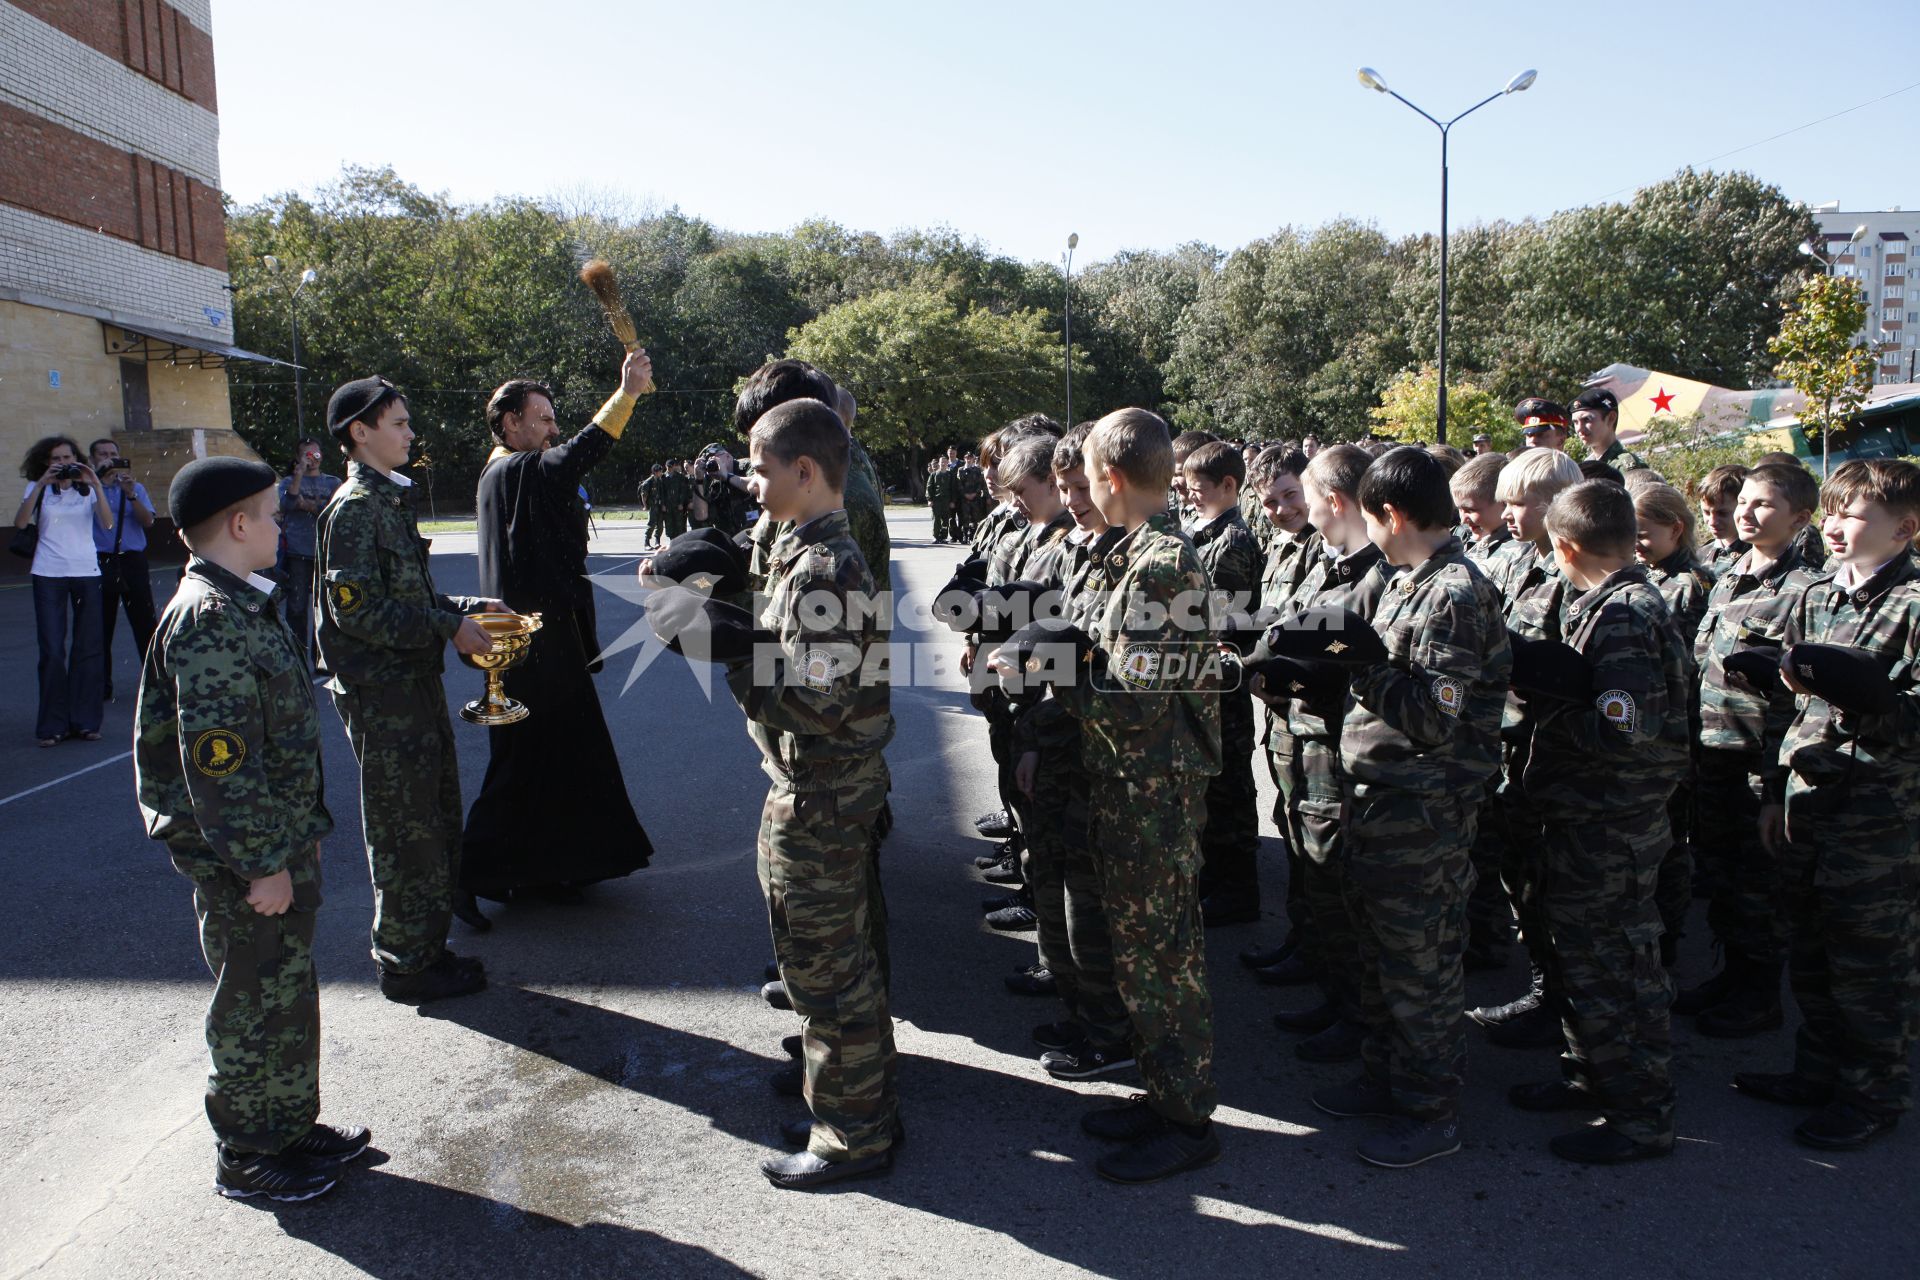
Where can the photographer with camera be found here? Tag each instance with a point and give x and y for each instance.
(303, 492)
(720, 492)
(122, 553)
(64, 501)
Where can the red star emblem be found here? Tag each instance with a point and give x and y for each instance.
(1663, 401)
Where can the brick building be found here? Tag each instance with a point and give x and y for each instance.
(114, 313)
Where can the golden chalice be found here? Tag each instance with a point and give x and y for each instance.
(512, 641)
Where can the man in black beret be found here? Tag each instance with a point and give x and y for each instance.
(382, 637)
(1596, 416)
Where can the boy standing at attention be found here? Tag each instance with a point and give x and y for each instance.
(1419, 741)
(227, 765)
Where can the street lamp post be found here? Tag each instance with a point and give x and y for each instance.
(1073, 242)
(1519, 84)
(307, 277)
(1806, 247)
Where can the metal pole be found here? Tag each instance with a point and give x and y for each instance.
(1441, 425)
(1069, 339)
(299, 401)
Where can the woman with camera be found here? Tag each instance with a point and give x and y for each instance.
(64, 502)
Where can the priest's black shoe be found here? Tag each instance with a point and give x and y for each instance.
(1290, 972)
(775, 994)
(1787, 1088)
(1174, 1149)
(1603, 1144)
(804, 1171)
(1131, 1121)
(1841, 1126)
(466, 909)
(1032, 980)
(1307, 1021)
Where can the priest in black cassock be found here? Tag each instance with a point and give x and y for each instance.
(553, 812)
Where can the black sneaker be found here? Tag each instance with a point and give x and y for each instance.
(1340, 1042)
(990, 905)
(1001, 852)
(789, 1081)
(1087, 1062)
(1786, 1088)
(328, 1144)
(1006, 871)
(1552, 1095)
(445, 978)
(772, 971)
(1603, 1144)
(1131, 1121)
(775, 994)
(1355, 1099)
(1406, 1141)
(1308, 1021)
(239, 1175)
(1263, 955)
(1019, 918)
(1059, 1035)
(1841, 1126)
(1291, 972)
(791, 1046)
(997, 825)
(1032, 980)
(1160, 1155)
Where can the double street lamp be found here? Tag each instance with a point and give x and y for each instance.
(307, 277)
(1073, 242)
(1519, 84)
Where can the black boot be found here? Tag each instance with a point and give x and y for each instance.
(1752, 1008)
(1715, 990)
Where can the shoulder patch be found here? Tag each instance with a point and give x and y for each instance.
(348, 596)
(1140, 665)
(1449, 695)
(818, 667)
(218, 752)
(1617, 709)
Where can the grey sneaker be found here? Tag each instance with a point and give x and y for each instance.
(1406, 1141)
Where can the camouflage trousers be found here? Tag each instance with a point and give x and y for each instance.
(1521, 864)
(1230, 842)
(676, 522)
(1673, 894)
(1074, 942)
(944, 525)
(1489, 908)
(1597, 893)
(1406, 890)
(1747, 907)
(815, 866)
(1319, 820)
(263, 1026)
(1145, 837)
(410, 814)
(1854, 885)
(1280, 751)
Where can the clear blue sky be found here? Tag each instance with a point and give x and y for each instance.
(1136, 125)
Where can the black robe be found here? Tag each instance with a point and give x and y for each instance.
(554, 807)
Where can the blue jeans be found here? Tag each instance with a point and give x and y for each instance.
(72, 680)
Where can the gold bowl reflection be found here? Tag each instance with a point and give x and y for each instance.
(512, 641)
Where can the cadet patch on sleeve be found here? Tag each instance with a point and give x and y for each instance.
(218, 752)
(1449, 695)
(817, 670)
(347, 596)
(1140, 665)
(1617, 709)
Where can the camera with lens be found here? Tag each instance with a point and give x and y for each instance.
(110, 466)
(68, 471)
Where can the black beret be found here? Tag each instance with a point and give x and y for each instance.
(1597, 398)
(1550, 669)
(1851, 679)
(1315, 683)
(1324, 635)
(1758, 666)
(1000, 611)
(352, 401)
(955, 604)
(1035, 653)
(700, 565)
(207, 486)
(701, 628)
(736, 549)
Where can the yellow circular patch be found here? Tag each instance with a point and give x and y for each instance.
(347, 596)
(218, 752)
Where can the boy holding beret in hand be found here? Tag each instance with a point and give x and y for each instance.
(1841, 816)
(227, 765)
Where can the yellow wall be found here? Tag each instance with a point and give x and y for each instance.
(191, 413)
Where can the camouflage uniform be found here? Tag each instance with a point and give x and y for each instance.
(1718, 559)
(656, 512)
(1230, 842)
(1490, 551)
(866, 505)
(227, 766)
(1258, 524)
(821, 718)
(383, 638)
(1289, 558)
(1316, 788)
(1599, 776)
(1851, 785)
(1419, 742)
(1148, 739)
(1621, 458)
(1684, 583)
(970, 484)
(940, 496)
(1747, 911)
(676, 494)
(1075, 945)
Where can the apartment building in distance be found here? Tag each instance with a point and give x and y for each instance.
(115, 318)
(1886, 262)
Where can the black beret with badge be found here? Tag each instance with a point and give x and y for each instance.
(696, 563)
(207, 486)
(1314, 683)
(1042, 652)
(1324, 635)
(1550, 669)
(703, 628)
(953, 603)
(1000, 611)
(1854, 680)
(1757, 666)
(353, 401)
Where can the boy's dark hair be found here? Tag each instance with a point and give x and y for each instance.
(795, 429)
(1032, 424)
(1597, 516)
(1450, 458)
(776, 383)
(1778, 458)
(1795, 483)
(1216, 461)
(1480, 475)
(1414, 483)
(1338, 469)
(1594, 469)
(1066, 452)
(1187, 441)
(511, 397)
(1892, 482)
(1137, 444)
(657, 467)
(1027, 457)
(40, 453)
(1723, 484)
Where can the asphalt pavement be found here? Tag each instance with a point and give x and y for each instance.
(602, 1109)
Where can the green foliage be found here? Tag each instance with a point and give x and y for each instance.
(1819, 356)
(1685, 449)
(1410, 408)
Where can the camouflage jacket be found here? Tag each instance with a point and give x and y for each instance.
(970, 483)
(1257, 522)
(1621, 458)
(1353, 581)
(1232, 559)
(226, 756)
(1684, 583)
(1747, 606)
(1046, 726)
(1870, 763)
(1427, 721)
(994, 523)
(1006, 548)
(866, 521)
(650, 493)
(1142, 711)
(1719, 559)
(676, 492)
(1044, 553)
(383, 619)
(1490, 551)
(818, 702)
(940, 489)
(1535, 599)
(1623, 752)
(1287, 564)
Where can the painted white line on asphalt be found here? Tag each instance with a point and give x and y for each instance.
(21, 795)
